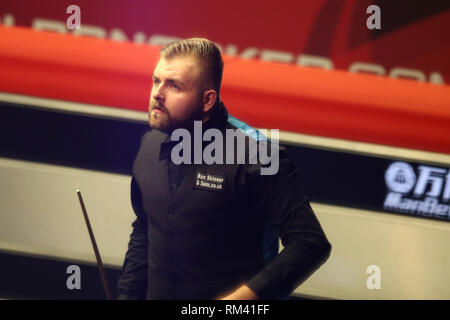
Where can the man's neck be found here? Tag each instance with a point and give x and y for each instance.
(209, 120)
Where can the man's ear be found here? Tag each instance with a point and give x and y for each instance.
(209, 99)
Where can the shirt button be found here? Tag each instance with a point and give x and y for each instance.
(173, 188)
(171, 212)
(170, 234)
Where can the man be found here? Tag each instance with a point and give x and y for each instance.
(210, 231)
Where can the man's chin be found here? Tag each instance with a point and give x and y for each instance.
(166, 127)
(159, 125)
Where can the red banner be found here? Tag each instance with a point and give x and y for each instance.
(413, 40)
(328, 103)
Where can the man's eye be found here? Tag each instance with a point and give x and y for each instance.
(174, 86)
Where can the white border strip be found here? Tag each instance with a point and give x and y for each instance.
(58, 255)
(364, 148)
(74, 107)
(342, 145)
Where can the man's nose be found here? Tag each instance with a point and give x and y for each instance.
(158, 93)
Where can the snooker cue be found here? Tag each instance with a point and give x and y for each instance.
(94, 245)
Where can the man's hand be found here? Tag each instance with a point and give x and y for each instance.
(242, 293)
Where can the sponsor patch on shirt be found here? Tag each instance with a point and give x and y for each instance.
(209, 181)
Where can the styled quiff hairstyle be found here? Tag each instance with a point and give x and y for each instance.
(207, 53)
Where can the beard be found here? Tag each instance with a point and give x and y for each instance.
(158, 121)
(165, 123)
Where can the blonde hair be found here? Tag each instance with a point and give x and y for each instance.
(207, 53)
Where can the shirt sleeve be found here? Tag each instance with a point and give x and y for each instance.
(287, 207)
(132, 283)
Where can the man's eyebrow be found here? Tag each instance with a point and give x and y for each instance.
(177, 81)
(173, 80)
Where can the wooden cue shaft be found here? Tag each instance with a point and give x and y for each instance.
(94, 245)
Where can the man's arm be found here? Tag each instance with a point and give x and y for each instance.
(306, 247)
(132, 283)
